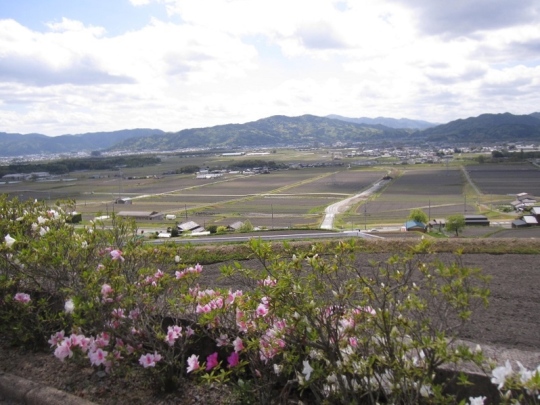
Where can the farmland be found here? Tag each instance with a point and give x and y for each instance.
(505, 179)
(294, 197)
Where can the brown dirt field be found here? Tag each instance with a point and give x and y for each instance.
(512, 318)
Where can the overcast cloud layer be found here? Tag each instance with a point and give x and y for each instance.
(101, 65)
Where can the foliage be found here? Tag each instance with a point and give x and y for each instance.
(189, 169)
(221, 230)
(455, 223)
(69, 165)
(247, 226)
(321, 325)
(314, 325)
(418, 215)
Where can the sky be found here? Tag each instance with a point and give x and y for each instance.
(77, 66)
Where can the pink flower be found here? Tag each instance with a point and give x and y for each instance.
(203, 309)
(173, 333)
(116, 255)
(238, 344)
(149, 359)
(22, 298)
(118, 313)
(189, 331)
(158, 274)
(233, 359)
(262, 310)
(57, 338)
(193, 363)
(222, 340)
(102, 340)
(134, 314)
(211, 361)
(106, 289)
(97, 357)
(63, 350)
(353, 341)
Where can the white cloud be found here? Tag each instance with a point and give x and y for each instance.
(221, 61)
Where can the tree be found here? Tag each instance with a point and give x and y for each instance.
(455, 223)
(418, 215)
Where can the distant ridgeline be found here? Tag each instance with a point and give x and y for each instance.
(283, 131)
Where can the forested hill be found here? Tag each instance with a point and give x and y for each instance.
(387, 122)
(279, 130)
(487, 128)
(273, 131)
(30, 144)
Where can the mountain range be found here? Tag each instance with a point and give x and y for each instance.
(279, 130)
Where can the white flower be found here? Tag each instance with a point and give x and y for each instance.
(476, 400)
(177, 259)
(307, 369)
(500, 374)
(524, 373)
(69, 306)
(9, 240)
(277, 368)
(43, 230)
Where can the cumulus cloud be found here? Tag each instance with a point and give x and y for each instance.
(219, 61)
(465, 17)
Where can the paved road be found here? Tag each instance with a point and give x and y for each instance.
(264, 236)
(343, 205)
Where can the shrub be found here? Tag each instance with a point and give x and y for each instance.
(321, 325)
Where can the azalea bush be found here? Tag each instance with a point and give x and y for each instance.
(319, 324)
(313, 325)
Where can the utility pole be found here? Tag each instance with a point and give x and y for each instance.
(365, 216)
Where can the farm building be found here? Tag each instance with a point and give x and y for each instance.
(530, 220)
(141, 215)
(123, 200)
(235, 226)
(476, 220)
(519, 223)
(190, 226)
(536, 212)
(415, 226)
(437, 223)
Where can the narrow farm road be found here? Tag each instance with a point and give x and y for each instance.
(468, 178)
(332, 210)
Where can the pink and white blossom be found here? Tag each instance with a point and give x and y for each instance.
(63, 350)
(57, 338)
(149, 359)
(23, 298)
(97, 357)
(262, 310)
(222, 340)
(193, 363)
(116, 255)
(238, 344)
(173, 333)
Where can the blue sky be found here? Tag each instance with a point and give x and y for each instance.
(75, 66)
